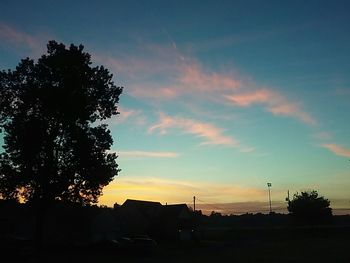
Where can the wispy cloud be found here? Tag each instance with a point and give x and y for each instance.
(134, 116)
(147, 154)
(211, 134)
(337, 149)
(127, 114)
(274, 102)
(246, 99)
(323, 135)
(162, 75)
(155, 92)
(193, 77)
(16, 37)
(12, 36)
(185, 78)
(163, 72)
(150, 61)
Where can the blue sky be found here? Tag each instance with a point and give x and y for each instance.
(220, 97)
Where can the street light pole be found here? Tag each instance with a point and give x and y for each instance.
(268, 187)
(194, 203)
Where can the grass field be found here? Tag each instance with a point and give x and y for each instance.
(328, 244)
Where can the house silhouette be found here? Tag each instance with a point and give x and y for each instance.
(141, 217)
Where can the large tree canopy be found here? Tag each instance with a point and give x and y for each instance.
(53, 147)
(309, 207)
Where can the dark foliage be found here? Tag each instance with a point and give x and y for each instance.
(310, 208)
(53, 148)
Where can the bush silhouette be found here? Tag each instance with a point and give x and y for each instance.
(310, 208)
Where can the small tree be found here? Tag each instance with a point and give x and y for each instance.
(54, 150)
(310, 208)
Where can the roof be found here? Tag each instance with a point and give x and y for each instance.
(147, 208)
(140, 203)
(175, 211)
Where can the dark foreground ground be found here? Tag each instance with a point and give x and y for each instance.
(323, 244)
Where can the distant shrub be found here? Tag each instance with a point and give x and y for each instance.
(310, 208)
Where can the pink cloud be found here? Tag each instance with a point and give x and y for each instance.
(13, 36)
(274, 102)
(246, 99)
(211, 134)
(130, 67)
(134, 116)
(125, 113)
(187, 79)
(337, 149)
(193, 77)
(16, 37)
(163, 73)
(158, 93)
(151, 61)
(292, 110)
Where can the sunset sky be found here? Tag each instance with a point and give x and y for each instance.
(220, 97)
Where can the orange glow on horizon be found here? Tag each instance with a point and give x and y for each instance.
(167, 191)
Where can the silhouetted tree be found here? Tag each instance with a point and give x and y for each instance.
(53, 147)
(215, 214)
(308, 207)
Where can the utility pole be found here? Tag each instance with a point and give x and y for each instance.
(194, 203)
(268, 187)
